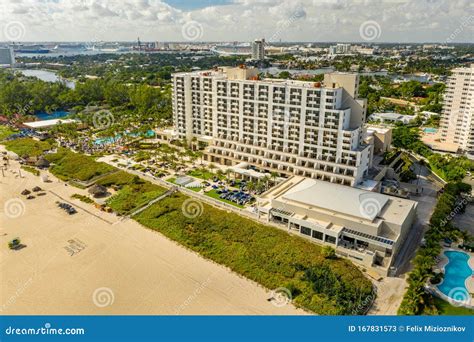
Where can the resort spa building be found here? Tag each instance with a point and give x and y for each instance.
(457, 120)
(367, 227)
(292, 127)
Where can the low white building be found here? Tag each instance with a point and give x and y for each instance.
(367, 227)
(392, 118)
(48, 123)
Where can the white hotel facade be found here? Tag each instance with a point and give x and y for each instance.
(457, 120)
(291, 127)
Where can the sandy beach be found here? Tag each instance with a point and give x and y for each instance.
(84, 264)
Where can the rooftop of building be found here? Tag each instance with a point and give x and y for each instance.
(378, 129)
(339, 200)
(48, 123)
(251, 74)
(392, 116)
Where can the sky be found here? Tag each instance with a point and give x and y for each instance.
(372, 21)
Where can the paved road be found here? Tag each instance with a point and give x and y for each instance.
(426, 203)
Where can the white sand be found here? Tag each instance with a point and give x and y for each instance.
(144, 272)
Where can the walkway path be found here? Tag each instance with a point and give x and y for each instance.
(159, 198)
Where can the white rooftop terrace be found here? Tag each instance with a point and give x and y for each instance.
(339, 200)
(48, 123)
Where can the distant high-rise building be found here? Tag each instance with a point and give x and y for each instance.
(340, 49)
(7, 56)
(457, 120)
(258, 49)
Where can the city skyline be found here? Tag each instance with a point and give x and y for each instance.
(387, 21)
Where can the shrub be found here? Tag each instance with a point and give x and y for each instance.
(27, 147)
(264, 254)
(68, 165)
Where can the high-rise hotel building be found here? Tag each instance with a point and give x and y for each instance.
(291, 127)
(457, 120)
(258, 49)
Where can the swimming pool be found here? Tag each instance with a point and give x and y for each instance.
(455, 274)
(59, 114)
(430, 130)
(111, 140)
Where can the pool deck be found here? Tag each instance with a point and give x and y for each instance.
(469, 283)
(470, 280)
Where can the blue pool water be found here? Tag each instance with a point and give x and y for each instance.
(455, 273)
(430, 130)
(59, 114)
(111, 140)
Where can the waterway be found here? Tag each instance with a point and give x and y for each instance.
(47, 76)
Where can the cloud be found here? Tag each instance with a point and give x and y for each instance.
(241, 20)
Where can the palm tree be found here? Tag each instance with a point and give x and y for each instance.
(260, 186)
(266, 180)
(211, 167)
(251, 186)
(274, 176)
(199, 154)
(227, 173)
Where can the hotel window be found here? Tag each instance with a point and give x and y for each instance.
(317, 235)
(306, 231)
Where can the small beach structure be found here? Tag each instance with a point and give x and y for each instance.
(42, 163)
(98, 190)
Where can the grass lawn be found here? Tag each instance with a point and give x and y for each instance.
(82, 198)
(30, 170)
(449, 310)
(75, 166)
(133, 196)
(198, 173)
(119, 179)
(5, 132)
(27, 146)
(264, 254)
(213, 193)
